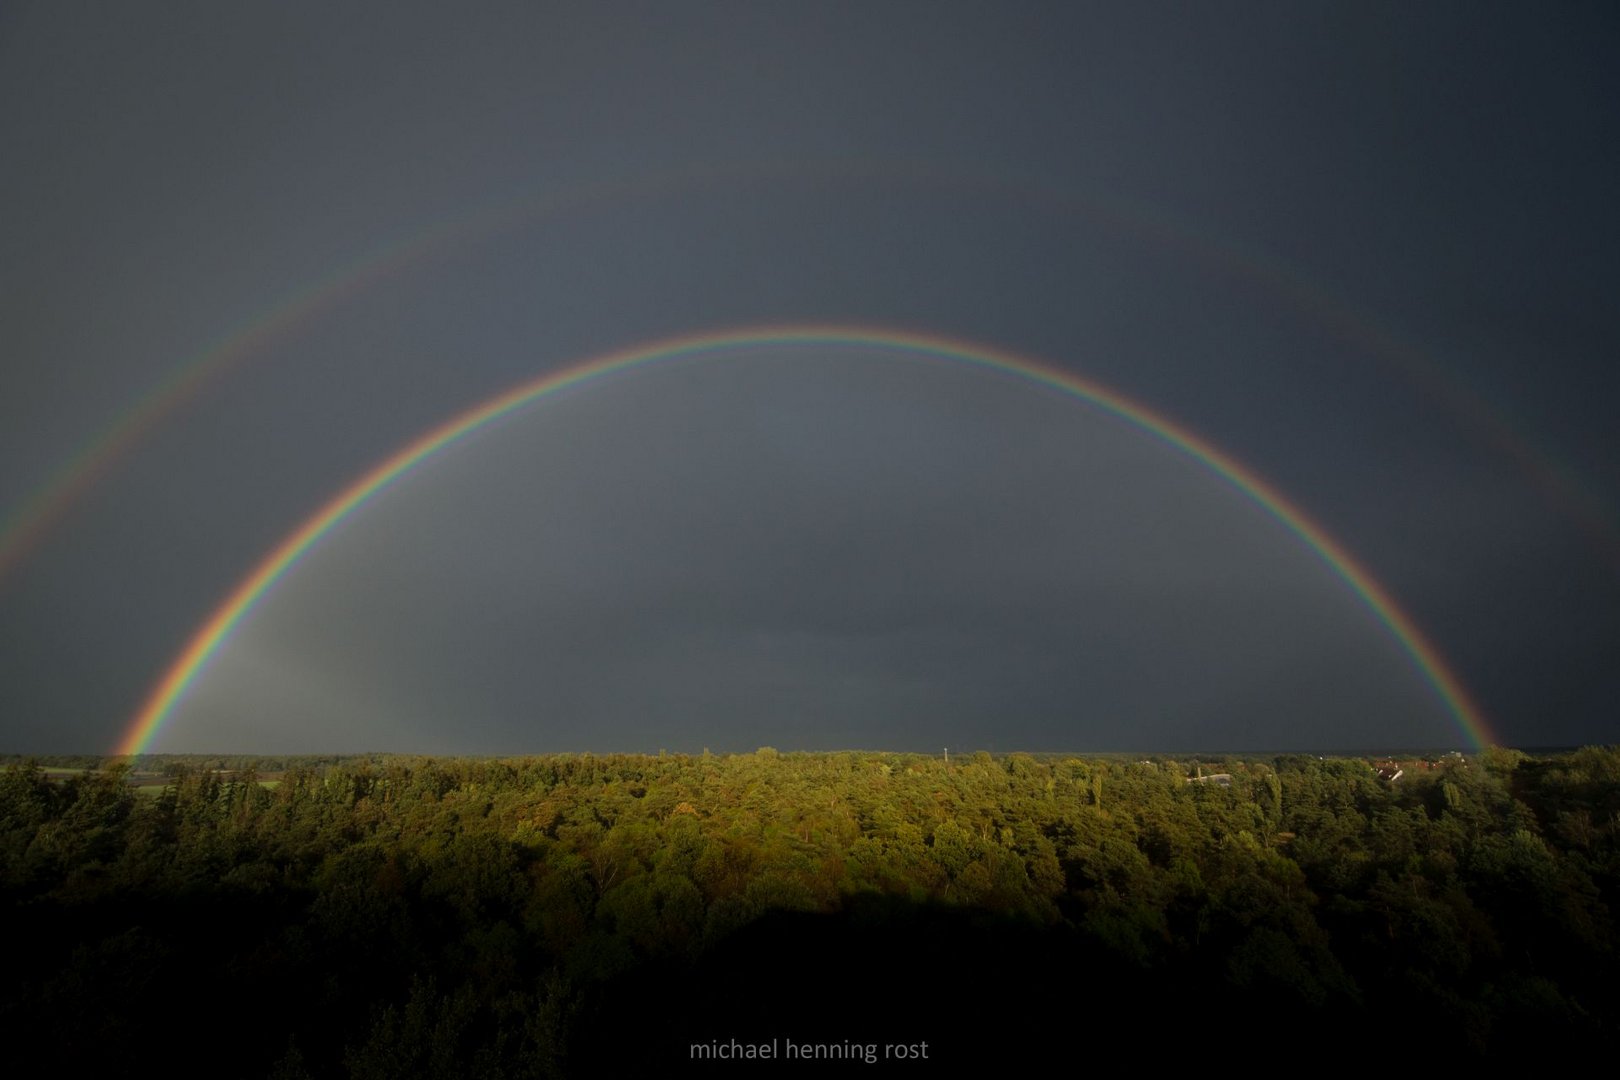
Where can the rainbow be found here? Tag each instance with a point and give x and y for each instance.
(25, 526)
(208, 639)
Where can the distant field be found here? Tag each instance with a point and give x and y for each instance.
(146, 782)
(145, 785)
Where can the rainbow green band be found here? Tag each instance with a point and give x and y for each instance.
(207, 640)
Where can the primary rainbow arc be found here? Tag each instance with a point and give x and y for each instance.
(208, 639)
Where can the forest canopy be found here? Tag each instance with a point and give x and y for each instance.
(582, 915)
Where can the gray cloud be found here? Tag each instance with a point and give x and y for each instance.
(1229, 215)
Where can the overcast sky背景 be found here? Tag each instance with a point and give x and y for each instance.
(1367, 251)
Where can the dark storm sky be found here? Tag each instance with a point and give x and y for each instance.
(1367, 249)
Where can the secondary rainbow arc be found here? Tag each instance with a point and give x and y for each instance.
(208, 639)
(24, 527)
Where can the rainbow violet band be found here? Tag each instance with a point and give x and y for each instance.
(185, 669)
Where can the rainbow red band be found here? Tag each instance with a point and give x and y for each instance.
(214, 632)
